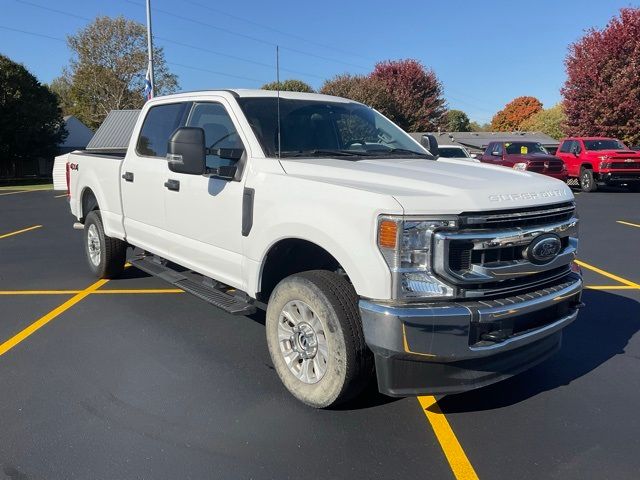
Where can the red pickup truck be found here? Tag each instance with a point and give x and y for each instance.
(530, 156)
(600, 161)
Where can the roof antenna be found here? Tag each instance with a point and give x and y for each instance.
(278, 101)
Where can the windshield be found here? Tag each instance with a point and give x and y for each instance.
(452, 152)
(524, 148)
(608, 144)
(326, 129)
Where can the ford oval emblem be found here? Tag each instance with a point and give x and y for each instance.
(543, 249)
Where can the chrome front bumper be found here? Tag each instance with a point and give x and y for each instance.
(453, 347)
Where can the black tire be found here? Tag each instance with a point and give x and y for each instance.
(334, 303)
(587, 180)
(112, 251)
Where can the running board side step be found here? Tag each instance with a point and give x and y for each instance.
(229, 303)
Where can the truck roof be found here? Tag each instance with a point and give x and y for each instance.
(242, 92)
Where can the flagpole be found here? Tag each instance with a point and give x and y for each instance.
(150, 49)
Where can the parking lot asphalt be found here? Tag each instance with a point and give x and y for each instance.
(132, 379)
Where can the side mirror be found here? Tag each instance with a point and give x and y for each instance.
(186, 151)
(431, 144)
(474, 155)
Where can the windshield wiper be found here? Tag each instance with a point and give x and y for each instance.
(393, 151)
(320, 153)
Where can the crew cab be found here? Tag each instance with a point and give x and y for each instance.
(367, 255)
(529, 156)
(598, 161)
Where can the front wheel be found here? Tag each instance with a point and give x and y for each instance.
(106, 256)
(587, 180)
(315, 339)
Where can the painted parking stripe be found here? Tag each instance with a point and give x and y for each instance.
(10, 234)
(42, 321)
(628, 223)
(99, 292)
(610, 287)
(457, 458)
(60, 196)
(617, 278)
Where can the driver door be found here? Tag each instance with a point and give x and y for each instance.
(204, 216)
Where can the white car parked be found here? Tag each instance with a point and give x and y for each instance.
(455, 151)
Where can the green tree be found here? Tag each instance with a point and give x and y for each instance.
(477, 127)
(456, 121)
(291, 85)
(550, 121)
(31, 125)
(107, 70)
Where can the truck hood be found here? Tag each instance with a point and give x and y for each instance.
(447, 186)
(613, 153)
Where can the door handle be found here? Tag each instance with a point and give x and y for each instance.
(127, 176)
(172, 185)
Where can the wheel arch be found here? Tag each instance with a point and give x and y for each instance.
(292, 255)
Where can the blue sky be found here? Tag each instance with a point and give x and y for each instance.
(484, 52)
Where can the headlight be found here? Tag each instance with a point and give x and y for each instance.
(405, 243)
(520, 166)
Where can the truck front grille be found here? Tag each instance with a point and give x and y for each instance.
(487, 256)
(545, 166)
(625, 165)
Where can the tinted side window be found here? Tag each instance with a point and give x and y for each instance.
(160, 123)
(497, 148)
(566, 146)
(219, 131)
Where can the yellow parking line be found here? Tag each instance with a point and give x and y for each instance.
(19, 231)
(142, 290)
(624, 281)
(42, 321)
(13, 193)
(60, 196)
(39, 292)
(458, 461)
(611, 287)
(111, 291)
(628, 223)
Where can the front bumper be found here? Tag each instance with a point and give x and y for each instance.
(443, 348)
(619, 176)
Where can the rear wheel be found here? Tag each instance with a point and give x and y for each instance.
(106, 256)
(315, 338)
(587, 180)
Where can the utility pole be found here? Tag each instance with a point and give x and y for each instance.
(150, 49)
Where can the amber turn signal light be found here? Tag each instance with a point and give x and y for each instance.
(387, 234)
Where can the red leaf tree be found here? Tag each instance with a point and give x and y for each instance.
(602, 90)
(515, 113)
(416, 92)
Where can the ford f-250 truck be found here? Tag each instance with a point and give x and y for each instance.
(368, 255)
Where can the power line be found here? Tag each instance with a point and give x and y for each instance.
(281, 32)
(248, 37)
(34, 34)
(170, 41)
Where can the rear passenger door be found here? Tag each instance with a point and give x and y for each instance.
(144, 172)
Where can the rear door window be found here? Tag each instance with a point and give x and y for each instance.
(161, 121)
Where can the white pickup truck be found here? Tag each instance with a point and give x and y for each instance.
(368, 255)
